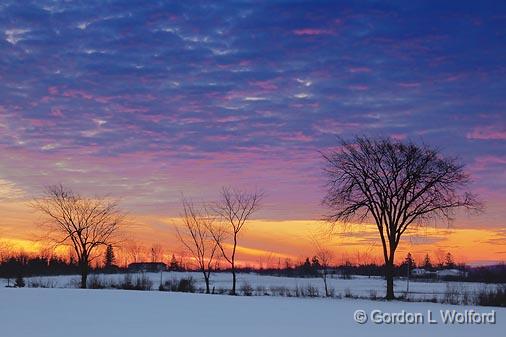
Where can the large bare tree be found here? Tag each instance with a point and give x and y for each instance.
(199, 238)
(234, 209)
(396, 185)
(85, 224)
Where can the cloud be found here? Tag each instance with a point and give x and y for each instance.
(13, 36)
(312, 31)
(10, 191)
(487, 133)
(172, 88)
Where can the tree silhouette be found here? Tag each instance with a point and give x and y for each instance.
(449, 262)
(199, 238)
(85, 224)
(109, 257)
(234, 209)
(396, 185)
(427, 264)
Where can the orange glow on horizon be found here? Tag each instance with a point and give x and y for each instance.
(269, 243)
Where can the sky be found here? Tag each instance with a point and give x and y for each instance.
(147, 101)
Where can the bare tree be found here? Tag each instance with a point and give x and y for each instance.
(325, 258)
(199, 239)
(5, 250)
(157, 253)
(135, 252)
(234, 210)
(396, 184)
(85, 224)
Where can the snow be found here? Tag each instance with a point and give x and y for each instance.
(28, 312)
(361, 286)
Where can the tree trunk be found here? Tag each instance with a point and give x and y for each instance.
(206, 278)
(325, 282)
(389, 274)
(232, 264)
(84, 274)
(84, 279)
(233, 281)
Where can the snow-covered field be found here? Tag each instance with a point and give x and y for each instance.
(30, 312)
(359, 286)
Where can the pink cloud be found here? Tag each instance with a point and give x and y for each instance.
(56, 112)
(360, 70)
(487, 133)
(229, 119)
(122, 108)
(265, 85)
(335, 127)
(454, 77)
(361, 87)
(52, 90)
(77, 93)
(297, 137)
(398, 136)
(488, 163)
(409, 84)
(218, 138)
(40, 122)
(312, 31)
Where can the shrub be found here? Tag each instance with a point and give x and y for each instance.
(185, 285)
(143, 282)
(261, 291)
(41, 283)
(279, 291)
(299, 292)
(74, 283)
(465, 298)
(312, 291)
(169, 285)
(246, 289)
(96, 282)
(220, 291)
(492, 297)
(451, 295)
(140, 282)
(126, 284)
(20, 282)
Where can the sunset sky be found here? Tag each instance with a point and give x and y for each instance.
(145, 102)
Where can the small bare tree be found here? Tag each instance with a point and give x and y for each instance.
(157, 253)
(325, 258)
(135, 252)
(85, 224)
(396, 184)
(234, 209)
(199, 239)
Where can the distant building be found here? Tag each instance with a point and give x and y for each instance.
(449, 273)
(423, 273)
(150, 267)
(441, 274)
(418, 272)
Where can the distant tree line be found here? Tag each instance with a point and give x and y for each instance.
(21, 265)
